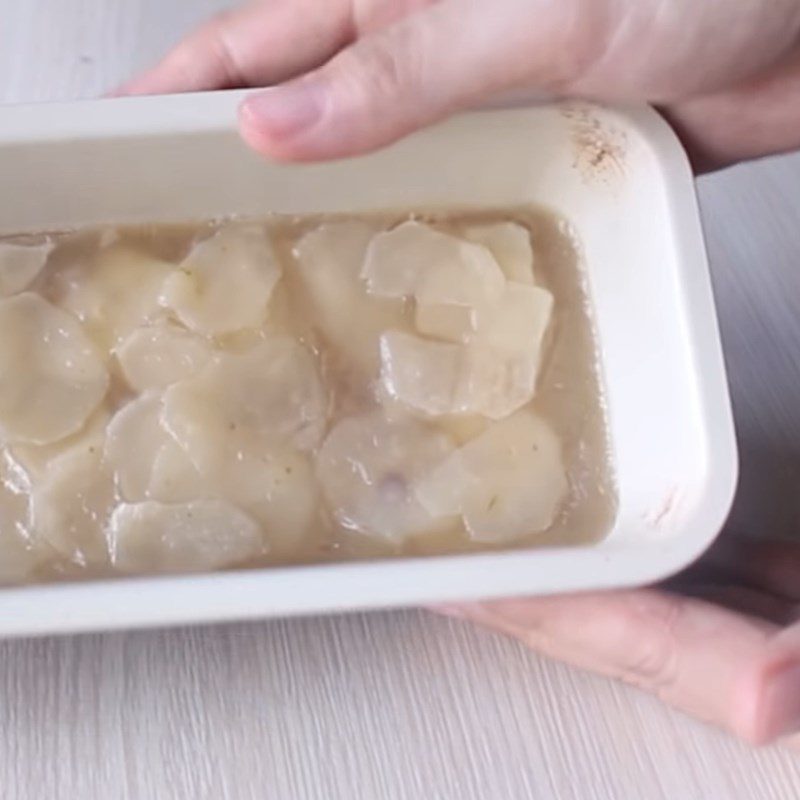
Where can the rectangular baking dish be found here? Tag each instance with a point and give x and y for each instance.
(618, 175)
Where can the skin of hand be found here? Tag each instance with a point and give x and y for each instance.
(721, 642)
(346, 76)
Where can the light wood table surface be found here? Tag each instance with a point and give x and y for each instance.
(392, 705)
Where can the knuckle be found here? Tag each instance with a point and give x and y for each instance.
(588, 33)
(755, 714)
(744, 718)
(364, 74)
(387, 65)
(218, 43)
(370, 15)
(651, 661)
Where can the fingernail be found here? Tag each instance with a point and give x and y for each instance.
(783, 701)
(284, 111)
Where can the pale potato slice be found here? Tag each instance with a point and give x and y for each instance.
(71, 504)
(175, 479)
(474, 281)
(496, 383)
(422, 374)
(159, 355)
(225, 283)
(395, 260)
(15, 479)
(510, 244)
(464, 427)
(518, 323)
(20, 265)
(18, 555)
(507, 483)
(368, 468)
(271, 394)
(34, 458)
(278, 488)
(443, 490)
(439, 378)
(114, 293)
(450, 323)
(415, 260)
(329, 261)
(184, 537)
(133, 440)
(53, 376)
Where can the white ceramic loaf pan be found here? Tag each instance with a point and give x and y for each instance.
(622, 180)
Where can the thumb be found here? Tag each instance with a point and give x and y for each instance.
(415, 72)
(727, 668)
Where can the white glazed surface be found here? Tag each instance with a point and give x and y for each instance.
(391, 705)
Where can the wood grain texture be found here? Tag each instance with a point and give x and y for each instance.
(394, 706)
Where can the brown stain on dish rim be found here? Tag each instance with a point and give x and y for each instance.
(600, 151)
(661, 516)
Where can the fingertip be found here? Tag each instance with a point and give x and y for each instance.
(769, 701)
(280, 122)
(258, 139)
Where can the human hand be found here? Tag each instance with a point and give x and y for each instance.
(721, 642)
(351, 75)
(348, 76)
